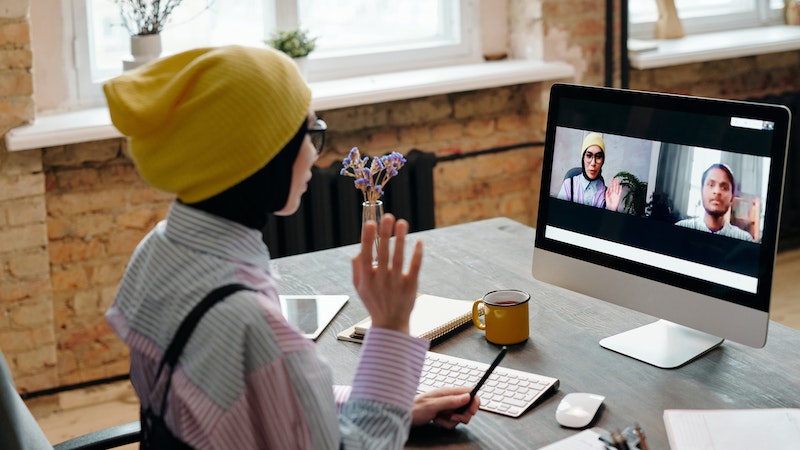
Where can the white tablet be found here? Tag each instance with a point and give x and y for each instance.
(311, 314)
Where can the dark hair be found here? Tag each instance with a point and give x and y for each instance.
(724, 168)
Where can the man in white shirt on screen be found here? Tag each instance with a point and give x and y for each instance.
(717, 193)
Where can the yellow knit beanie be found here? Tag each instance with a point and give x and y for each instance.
(593, 139)
(201, 121)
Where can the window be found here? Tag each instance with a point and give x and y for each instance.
(703, 16)
(357, 37)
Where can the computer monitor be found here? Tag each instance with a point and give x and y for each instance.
(674, 157)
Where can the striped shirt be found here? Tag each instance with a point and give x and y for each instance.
(699, 224)
(247, 378)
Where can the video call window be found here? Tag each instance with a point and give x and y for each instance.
(689, 210)
(662, 181)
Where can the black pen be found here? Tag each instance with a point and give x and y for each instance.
(483, 379)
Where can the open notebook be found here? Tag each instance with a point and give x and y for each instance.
(432, 317)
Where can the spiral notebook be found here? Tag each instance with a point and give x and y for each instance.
(432, 318)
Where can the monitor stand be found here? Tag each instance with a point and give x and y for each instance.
(663, 344)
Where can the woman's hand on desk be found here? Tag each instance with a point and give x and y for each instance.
(439, 406)
(386, 291)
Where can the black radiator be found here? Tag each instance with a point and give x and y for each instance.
(330, 213)
(789, 236)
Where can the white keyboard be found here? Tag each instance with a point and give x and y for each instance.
(507, 391)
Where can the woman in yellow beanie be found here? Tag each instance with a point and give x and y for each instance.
(588, 186)
(213, 361)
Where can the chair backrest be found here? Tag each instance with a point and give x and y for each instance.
(20, 431)
(572, 172)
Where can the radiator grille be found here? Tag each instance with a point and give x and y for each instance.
(330, 213)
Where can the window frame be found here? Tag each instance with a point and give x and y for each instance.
(700, 24)
(319, 68)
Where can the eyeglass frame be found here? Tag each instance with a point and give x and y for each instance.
(599, 157)
(317, 131)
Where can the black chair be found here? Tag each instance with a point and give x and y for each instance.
(19, 430)
(572, 172)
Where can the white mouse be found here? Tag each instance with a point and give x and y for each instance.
(577, 409)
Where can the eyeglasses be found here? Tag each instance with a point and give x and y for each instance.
(588, 157)
(317, 134)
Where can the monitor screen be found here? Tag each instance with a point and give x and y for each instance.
(668, 205)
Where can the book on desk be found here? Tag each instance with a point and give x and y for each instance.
(733, 429)
(432, 318)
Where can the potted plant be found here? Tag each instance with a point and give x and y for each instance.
(295, 43)
(634, 201)
(145, 20)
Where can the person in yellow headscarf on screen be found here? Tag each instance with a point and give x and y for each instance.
(588, 187)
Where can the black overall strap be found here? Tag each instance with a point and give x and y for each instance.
(155, 434)
(190, 322)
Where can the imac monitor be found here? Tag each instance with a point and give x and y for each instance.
(664, 204)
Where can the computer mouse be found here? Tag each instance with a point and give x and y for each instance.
(577, 409)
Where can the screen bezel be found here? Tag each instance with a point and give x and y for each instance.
(635, 285)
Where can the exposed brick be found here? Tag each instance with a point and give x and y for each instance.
(420, 111)
(83, 178)
(107, 295)
(448, 131)
(69, 203)
(16, 58)
(107, 272)
(88, 226)
(487, 103)
(13, 83)
(68, 279)
(85, 303)
(124, 241)
(142, 193)
(357, 118)
(30, 210)
(32, 312)
(480, 128)
(139, 219)
(25, 265)
(381, 142)
(75, 155)
(416, 136)
(25, 237)
(14, 291)
(15, 111)
(120, 173)
(21, 186)
(36, 359)
(16, 163)
(15, 341)
(15, 9)
(75, 250)
(43, 379)
(14, 33)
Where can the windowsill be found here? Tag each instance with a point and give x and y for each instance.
(94, 124)
(715, 46)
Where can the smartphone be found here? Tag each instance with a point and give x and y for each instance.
(483, 379)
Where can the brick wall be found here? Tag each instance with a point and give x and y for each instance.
(98, 209)
(71, 215)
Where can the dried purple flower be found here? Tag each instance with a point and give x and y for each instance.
(371, 178)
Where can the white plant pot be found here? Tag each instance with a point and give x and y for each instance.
(302, 65)
(144, 48)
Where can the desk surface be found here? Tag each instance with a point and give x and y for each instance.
(466, 261)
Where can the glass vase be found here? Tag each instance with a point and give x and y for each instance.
(373, 211)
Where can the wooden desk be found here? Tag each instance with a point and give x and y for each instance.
(466, 261)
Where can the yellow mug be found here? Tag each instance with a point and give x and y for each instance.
(505, 316)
